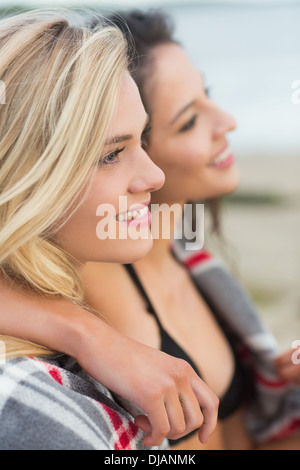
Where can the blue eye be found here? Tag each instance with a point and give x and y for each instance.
(111, 158)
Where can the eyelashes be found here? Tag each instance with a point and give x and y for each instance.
(112, 157)
(192, 121)
(189, 124)
(144, 137)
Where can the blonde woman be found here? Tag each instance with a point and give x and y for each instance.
(181, 303)
(69, 144)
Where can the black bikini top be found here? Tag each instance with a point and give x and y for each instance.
(234, 395)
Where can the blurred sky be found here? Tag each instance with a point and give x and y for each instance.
(139, 3)
(250, 56)
(249, 53)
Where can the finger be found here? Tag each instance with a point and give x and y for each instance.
(191, 409)
(209, 424)
(286, 366)
(209, 404)
(290, 372)
(142, 422)
(176, 415)
(284, 359)
(158, 421)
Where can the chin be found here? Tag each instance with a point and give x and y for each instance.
(234, 181)
(229, 184)
(140, 250)
(127, 251)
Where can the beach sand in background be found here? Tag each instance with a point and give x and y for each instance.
(261, 223)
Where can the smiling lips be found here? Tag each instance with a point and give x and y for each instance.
(133, 215)
(223, 160)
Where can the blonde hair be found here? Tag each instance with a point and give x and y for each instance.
(62, 82)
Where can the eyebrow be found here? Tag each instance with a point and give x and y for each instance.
(182, 111)
(122, 138)
(118, 138)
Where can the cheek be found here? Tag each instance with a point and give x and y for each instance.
(80, 227)
(104, 195)
(188, 157)
(79, 234)
(177, 155)
(197, 147)
(85, 216)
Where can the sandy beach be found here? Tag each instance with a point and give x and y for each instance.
(262, 226)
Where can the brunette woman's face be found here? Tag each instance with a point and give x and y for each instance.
(188, 140)
(101, 228)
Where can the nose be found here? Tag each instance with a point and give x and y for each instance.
(223, 123)
(148, 176)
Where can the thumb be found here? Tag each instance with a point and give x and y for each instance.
(143, 423)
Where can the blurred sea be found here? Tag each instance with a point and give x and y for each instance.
(250, 56)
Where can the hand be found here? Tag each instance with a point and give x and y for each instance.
(172, 396)
(174, 399)
(288, 365)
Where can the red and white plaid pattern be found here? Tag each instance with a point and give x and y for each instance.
(274, 411)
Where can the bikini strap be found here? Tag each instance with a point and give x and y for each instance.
(133, 274)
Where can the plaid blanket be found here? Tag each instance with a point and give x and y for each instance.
(57, 406)
(274, 410)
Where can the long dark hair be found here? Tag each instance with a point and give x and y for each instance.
(145, 31)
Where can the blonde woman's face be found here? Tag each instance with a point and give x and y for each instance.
(188, 140)
(112, 222)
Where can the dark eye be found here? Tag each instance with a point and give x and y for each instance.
(111, 158)
(144, 139)
(189, 125)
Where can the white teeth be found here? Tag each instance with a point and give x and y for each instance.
(222, 157)
(133, 215)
